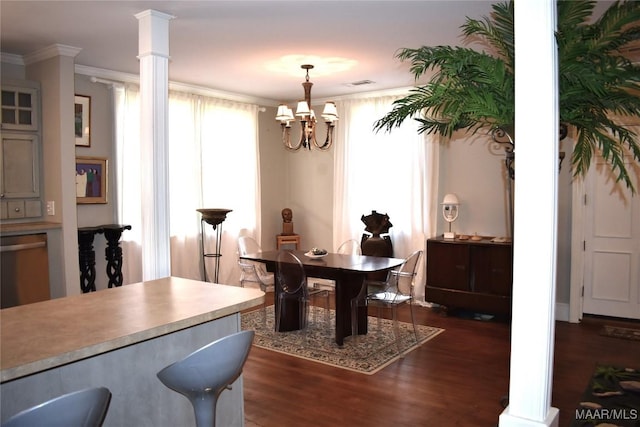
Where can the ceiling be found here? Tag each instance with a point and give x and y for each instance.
(227, 45)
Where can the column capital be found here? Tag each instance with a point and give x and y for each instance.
(153, 33)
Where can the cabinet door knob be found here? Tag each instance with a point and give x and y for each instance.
(17, 209)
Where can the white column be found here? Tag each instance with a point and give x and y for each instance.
(535, 221)
(153, 52)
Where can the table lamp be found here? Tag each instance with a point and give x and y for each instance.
(450, 212)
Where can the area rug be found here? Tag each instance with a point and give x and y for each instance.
(366, 354)
(612, 398)
(624, 333)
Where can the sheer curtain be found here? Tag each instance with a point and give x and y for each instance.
(213, 164)
(393, 173)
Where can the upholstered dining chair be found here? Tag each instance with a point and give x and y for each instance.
(254, 272)
(207, 372)
(396, 290)
(83, 408)
(292, 281)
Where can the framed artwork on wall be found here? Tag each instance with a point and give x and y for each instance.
(82, 117)
(91, 180)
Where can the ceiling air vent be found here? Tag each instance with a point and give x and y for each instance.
(360, 83)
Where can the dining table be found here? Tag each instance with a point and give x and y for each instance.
(349, 273)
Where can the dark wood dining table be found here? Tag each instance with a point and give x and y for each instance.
(348, 272)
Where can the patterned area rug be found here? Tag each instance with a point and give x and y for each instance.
(611, 399)
(366, 354)
(624, 333)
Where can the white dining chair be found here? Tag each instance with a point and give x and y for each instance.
(254, 272)
(396, 290)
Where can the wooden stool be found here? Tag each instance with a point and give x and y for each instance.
(287, 239)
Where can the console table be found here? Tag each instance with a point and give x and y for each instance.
(472, 275)
(113, 255)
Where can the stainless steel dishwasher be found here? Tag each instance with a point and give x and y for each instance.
(24, 264)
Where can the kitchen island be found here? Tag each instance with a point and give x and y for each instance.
(120, 338)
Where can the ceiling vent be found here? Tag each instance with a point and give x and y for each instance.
(360, 83)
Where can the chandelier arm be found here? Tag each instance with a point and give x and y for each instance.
(286, 138)
(328, 142)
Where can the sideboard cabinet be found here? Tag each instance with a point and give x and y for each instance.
(470, 275)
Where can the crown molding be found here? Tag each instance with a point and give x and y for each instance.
(51, 52)
(11, 58)
(120, 77)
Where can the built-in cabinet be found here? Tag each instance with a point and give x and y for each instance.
(20, 195)
(471, 275)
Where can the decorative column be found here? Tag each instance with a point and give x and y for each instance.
(87, 258)
(153, 53)
(535, 219)
(113, 252)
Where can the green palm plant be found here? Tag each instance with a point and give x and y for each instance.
(471, 90)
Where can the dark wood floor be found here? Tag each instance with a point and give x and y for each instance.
(456, 379)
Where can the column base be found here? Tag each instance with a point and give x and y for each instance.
(510, 420)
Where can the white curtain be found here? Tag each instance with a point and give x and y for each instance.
(213, 163)
(390, 172)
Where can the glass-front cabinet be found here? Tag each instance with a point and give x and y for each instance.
(20, 108)
(20, 160)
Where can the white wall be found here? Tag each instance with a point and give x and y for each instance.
(102, 138)
(473, 169)
(273, 177)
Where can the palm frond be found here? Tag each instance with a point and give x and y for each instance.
(471, 90)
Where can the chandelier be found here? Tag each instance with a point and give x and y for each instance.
(307, 120)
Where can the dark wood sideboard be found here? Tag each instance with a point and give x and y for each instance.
(470, 275)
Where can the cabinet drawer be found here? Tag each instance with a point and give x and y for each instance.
(15, 209)
(492, 270)
(448, 266)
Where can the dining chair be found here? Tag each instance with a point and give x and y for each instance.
(83, 408)
(204, 374)
(254, 272)
(397, 289)
(292, 282)
(348, 247)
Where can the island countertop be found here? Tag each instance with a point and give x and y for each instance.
(43, 335)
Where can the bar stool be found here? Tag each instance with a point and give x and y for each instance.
(84, 408)
(207, 372)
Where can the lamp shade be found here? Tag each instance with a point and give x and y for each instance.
(330, 112)
(450, 199)
(284, 113)
(303, 109)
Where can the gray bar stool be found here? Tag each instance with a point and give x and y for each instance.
(205, 373)
(83, 408)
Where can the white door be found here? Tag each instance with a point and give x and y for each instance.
(611, 245)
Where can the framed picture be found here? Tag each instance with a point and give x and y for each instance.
(91, 180)
(82, 116)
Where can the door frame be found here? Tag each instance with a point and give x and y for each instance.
(577, 248)
(578, 238)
